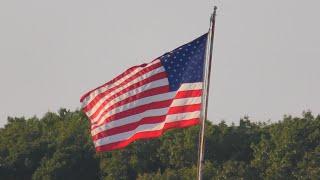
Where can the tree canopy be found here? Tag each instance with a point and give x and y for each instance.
(59, 146)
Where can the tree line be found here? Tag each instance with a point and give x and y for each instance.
(59, 146)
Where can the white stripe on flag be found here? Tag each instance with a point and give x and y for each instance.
(177, 117)
(186, 101)
(190, 86)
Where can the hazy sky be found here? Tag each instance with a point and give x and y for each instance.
(266, 52)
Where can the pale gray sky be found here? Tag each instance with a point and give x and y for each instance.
(266, 52)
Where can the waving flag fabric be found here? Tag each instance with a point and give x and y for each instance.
(146, 100)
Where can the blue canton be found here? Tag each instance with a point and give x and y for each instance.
(185, 64)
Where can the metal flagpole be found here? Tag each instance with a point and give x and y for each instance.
(205, 97)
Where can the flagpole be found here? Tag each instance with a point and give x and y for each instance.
(205, 97)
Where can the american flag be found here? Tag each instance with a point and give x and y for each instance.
(146, 100)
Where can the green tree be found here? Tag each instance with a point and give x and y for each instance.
(59, 146)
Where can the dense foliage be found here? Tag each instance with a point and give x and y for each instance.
(58, 146)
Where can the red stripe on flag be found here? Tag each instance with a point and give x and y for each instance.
(184, 108)
(188, 93)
